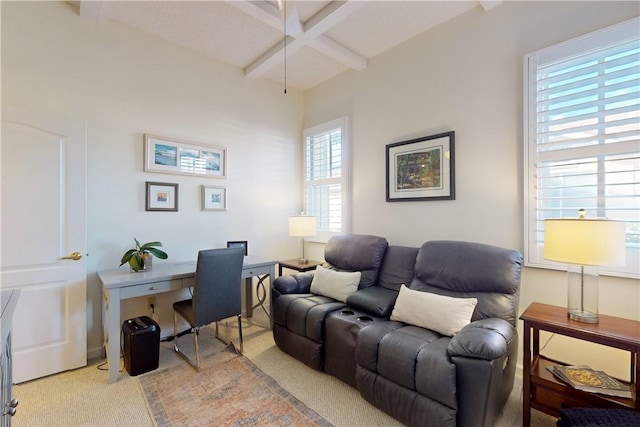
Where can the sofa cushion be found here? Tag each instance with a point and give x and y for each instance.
(471, 270)
(486, 268)
(439, 313)
(374, 300)
(356, 252)
(397, 267)
(335, 284)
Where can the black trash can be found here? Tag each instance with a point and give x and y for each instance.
(141, 345)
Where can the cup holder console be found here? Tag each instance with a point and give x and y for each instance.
(360, 319)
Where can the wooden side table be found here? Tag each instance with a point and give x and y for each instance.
(294, 264)
(542, 390)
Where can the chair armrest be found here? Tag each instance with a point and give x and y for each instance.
(293, 284)
(375, 300)
(486, 339)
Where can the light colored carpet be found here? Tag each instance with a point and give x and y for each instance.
(83, 397)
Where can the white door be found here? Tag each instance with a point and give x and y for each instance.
(43, 220)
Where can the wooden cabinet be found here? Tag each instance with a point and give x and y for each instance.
(542, 390)
(9, 298)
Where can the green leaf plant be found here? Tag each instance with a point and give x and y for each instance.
(136, 257)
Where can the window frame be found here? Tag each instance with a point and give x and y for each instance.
(345, 179)
(619, 33)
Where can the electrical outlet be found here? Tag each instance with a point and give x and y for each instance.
(151, 302)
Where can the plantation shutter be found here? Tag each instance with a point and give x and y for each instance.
(583, 135)
(325, 176)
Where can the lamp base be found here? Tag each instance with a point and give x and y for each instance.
(582, 303)
(303, 260)
(582, 316)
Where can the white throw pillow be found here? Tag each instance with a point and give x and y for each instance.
(445, 315)
(335, 284)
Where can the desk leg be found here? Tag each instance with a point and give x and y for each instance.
(248, 297)
(526, 376)
(112, 311)
(261, 294)
(272, 277)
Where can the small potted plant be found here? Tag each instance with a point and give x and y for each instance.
(139, 258)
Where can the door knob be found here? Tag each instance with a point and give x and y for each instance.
(74, 256)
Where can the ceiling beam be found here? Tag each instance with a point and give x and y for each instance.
(263, 11)
(338, 52)
(331, 15)
(310, 33)
(272, 57)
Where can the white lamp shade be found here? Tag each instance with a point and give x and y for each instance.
(585, 241)
(302, 226)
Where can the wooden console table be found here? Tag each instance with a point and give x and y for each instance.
(542, 390)
(294, 264)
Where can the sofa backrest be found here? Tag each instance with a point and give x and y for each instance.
(397, 267)
(356, 252)
(465, 269)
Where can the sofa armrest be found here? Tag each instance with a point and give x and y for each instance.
(293, 284)
(486, 339)
(375, 300)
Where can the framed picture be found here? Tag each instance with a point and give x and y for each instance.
(168, 155)
(162, 196)
(242, 243)
(421, 169)
(214, 198)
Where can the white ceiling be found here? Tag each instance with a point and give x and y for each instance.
(324, 38)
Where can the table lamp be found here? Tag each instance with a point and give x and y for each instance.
(584, 244)
(302, 226)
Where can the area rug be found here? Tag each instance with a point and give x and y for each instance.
(229, 390)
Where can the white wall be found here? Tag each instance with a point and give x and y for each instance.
(125, 84)
(466, 76)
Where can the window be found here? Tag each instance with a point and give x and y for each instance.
(326, 176)
(582, 137)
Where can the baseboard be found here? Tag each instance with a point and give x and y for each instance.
(519, 371)
(96, 353)
(99, 352)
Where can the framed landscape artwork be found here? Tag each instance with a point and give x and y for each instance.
(162, 196)
(421, 169)
(168, 155)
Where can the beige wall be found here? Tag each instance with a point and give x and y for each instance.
(466, 75)
(125, 84)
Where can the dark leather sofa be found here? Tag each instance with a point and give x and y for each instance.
(416, 375)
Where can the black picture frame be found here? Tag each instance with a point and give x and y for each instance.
(161, 196)
(421, 169)
(241, 243)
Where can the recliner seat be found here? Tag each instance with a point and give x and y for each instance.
(299, 316)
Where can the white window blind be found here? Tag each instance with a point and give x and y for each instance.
(582, 136)
(326, 174)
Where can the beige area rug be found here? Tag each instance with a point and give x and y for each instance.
(229, 390)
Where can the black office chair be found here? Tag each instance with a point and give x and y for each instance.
(216, 295)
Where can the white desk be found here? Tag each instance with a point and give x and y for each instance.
(120, 283)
